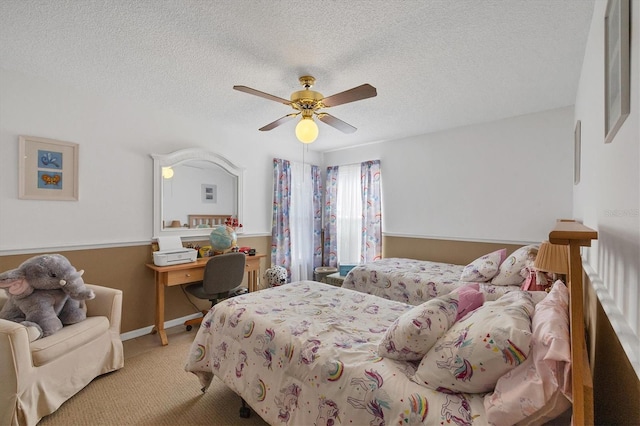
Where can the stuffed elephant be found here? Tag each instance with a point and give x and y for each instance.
(46, 292)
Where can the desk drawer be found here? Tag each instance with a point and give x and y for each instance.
(252, 263)
(185, 276)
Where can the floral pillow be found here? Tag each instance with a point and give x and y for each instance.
(537, 390)
(484, 268)
(509, 271)
(476, 351)
(416, 331)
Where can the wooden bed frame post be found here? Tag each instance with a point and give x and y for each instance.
(576, 235)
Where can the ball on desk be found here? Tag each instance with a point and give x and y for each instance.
(223, 238)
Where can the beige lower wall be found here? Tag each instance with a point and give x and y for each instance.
(448, 251)
(124, 268)
(616, 386)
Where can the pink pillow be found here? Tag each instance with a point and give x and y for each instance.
(416, 331)
(537, 390)
(484, 268)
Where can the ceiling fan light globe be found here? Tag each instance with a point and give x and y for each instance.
(306, 130)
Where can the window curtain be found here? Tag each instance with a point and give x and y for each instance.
(301, 222)
(316, 181)
(280, 237)
(353, 214)
(330, 255)
(297, 221)
(371, 245)
(350, 225)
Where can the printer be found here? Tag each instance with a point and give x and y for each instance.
(171, 252)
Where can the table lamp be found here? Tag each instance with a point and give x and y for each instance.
(553, 258)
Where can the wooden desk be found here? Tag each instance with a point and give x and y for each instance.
(187, 273)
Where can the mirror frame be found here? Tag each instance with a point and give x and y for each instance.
(178, 157)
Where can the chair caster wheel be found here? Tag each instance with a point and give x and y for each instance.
(189, 328)
(245, 412)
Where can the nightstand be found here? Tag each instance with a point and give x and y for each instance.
(335, 279)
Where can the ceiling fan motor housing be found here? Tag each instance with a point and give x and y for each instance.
(306, 100)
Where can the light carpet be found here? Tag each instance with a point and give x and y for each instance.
(153, 389)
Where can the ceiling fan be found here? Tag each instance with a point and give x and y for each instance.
(309, 103)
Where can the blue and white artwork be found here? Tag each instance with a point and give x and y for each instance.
(49, 159)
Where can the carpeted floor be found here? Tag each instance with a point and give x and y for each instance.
(152, 389)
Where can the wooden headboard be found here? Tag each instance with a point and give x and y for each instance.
(196, 220)
(575, 235)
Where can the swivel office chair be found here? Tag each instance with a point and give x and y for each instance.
(223, 275)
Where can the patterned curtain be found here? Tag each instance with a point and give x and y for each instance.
(330, 211)
(317, 216)
(371, 212)
(280, 236)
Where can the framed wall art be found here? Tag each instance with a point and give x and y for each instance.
(616, 67)
(48, 169)
(576, 153)
(209, 193)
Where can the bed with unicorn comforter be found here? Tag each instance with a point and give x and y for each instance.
(415, 281)
(309, 353)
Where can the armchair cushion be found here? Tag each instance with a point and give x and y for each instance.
(70, 338)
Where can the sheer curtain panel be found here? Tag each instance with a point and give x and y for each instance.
(297, 221)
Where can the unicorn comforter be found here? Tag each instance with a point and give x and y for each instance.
(413, 281)
(306, 353)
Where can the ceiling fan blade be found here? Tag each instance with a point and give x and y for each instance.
(357, 93)
(336, 122)
(278, 122)
(255, 92)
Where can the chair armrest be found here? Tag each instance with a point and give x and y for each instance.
(15, 356)
(108, 303)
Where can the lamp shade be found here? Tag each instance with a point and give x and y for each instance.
(306, 130)
(552, 258)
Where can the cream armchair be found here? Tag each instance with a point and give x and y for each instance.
(37, 377)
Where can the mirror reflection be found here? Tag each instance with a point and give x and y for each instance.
(194, 190)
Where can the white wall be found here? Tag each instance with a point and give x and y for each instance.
(608, 196)
(506, 181)
(116, 138)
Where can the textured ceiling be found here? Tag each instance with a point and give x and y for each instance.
(436, 64)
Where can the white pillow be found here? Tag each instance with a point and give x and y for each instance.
(416, 331)
(509, 272)
(484, 268)
(476, 351)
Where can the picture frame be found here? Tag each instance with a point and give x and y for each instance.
(576, 152)
(209, 193)
(48, 169)
(616, 67)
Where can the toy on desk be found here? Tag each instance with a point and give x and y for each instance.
(247, 250)
(205, 251)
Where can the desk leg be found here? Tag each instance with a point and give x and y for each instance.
(252, 278)
(159, 327)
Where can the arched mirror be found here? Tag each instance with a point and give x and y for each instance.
(194, 190)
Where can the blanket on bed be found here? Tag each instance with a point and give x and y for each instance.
(306, 354)
(413, 281)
